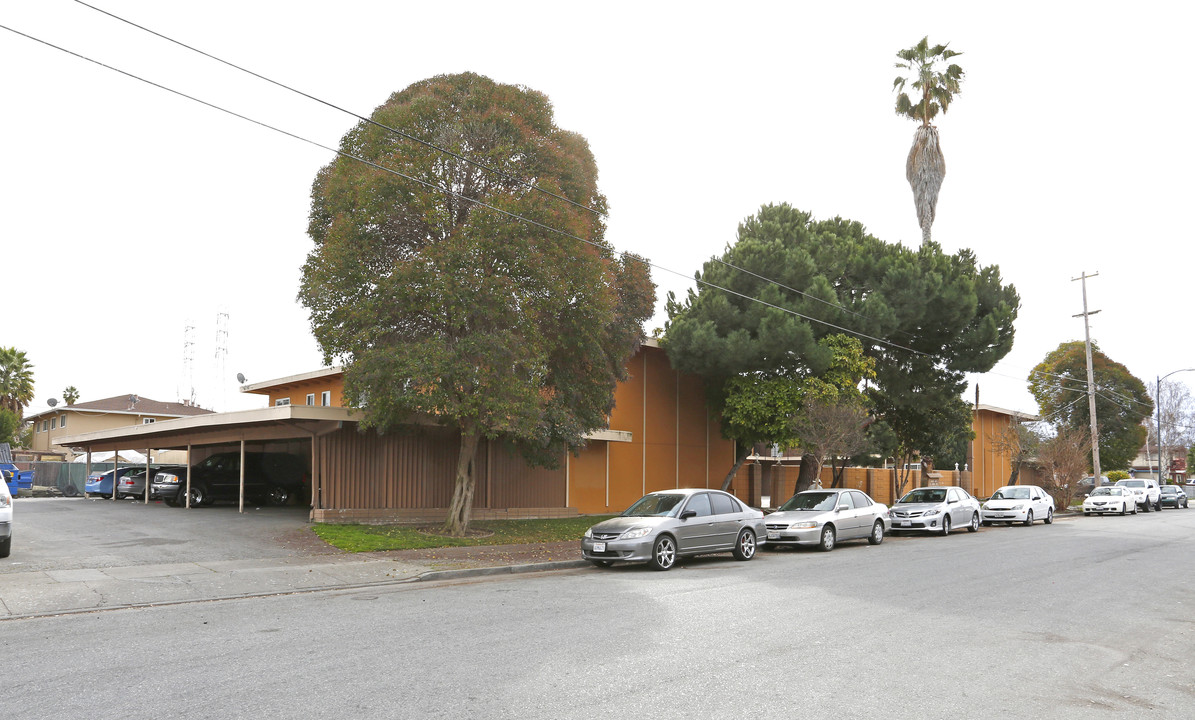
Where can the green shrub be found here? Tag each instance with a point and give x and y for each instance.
(1115, 475)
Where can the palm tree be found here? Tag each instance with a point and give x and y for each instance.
(70, 395)
(16, 380)
(926, 167)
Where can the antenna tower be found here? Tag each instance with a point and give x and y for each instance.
(221, 356)
(186, 393)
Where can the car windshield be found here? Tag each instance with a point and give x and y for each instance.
(656, 504)
(1170, 490)
(1104, 491)
(1132, 483)
(1011, 493)
(925, 495)
(811, 501)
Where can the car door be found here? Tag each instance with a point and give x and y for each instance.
(728, 517)
(1041, 505)
(696, 533)
(861, 513)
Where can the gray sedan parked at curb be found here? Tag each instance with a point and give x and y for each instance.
(663, 526)
(823, 517)
(1172, 495)
(936, 509)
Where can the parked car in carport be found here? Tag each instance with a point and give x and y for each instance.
(133, 483)
(936, 509)
(824, 517)
(100, 483)
(661, 527)
(271, 477)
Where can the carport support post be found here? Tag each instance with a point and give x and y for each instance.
(147, 478)
(242, 501)
(87, 472)
(188, 488)
(115, 471)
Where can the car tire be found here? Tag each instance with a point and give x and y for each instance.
(945, 525)
(663, 553)
(1158, 505)
(278, 495)
(877, 533)
(829, 536)
(198, 496)
(1124, 508)
(1134, 510)
(602, 563)
(1049, 516)
(5, 546)
(1028, 518)
(974, 526)
(1145, 506)
(70, 491)
(744, 546)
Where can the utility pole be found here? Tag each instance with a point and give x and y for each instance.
(1095, 433)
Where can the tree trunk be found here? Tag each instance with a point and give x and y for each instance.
(1016, 471)
(461, 509)
(925, 169)
(811, 468)
(838, 471)
(738, 463)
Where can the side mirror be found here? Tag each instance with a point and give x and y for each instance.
(688, 514)
(843, 506)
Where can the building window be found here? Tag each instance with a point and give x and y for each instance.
(148, 421)
(53, 423)
(45, 425)
(310, 398)
(325, 398)
(281, 401)
(62, 421)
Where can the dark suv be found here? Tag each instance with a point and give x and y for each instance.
(269, 477)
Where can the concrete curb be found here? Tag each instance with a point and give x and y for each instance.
(501, 570)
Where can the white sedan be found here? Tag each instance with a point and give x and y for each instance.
(1110, 499)
(5, 521)
(1018, 504)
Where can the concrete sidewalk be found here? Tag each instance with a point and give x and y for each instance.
(56, 592)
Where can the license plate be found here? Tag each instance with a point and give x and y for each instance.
(905, 523)
(599, 547)
(773, 535)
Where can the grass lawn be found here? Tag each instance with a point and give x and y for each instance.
(367, 538)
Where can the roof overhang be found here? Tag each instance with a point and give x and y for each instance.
(264, 387)
(1015, 414)
(273, 423)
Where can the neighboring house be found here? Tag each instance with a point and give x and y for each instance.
(1146, 463)
(990, 465)
(50, 426)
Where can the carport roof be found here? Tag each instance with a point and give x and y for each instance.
(273, 423)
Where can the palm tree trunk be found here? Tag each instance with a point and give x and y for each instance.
(925, 169)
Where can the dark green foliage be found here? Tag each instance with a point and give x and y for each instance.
(1059, 384)
(442, 309)
(926, 318)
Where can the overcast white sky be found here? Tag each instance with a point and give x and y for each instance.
(126, 211)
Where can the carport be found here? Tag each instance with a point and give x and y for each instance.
(287, 422)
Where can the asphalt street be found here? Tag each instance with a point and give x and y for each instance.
(1087, 617)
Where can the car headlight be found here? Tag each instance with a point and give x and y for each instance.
(168, 479)
(1018, 506)
(935, 511)
(588, 533)
(5, 501)
(803, 525)
(634, 533)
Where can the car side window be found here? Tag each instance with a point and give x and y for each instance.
(722, 504)
(952, 495)
(700, 503)
(860, 500)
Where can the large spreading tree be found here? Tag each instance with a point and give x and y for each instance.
(934, 87)
(764, 308)
(1122, 403)
(442, 307)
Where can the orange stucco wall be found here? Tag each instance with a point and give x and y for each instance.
(297, 392)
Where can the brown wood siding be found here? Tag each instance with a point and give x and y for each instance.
(691, 440)
(515, 484)
(660, 434)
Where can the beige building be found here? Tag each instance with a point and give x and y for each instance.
(49, 426)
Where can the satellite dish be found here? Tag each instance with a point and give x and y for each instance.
(52, 402)
(241, 378)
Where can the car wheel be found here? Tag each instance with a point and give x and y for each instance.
(945, 525)
(1134, 510)
(744, 547)
(1049, 516)
(1158, 505)
(1028, 518)
(1145, 506)
(974, 526)
(5, 546)
(663, 553)
(602, 563)
(278, 495)
(70, 491)
(877, 533)
(828, 537)
(198, 496)
(1124, 508)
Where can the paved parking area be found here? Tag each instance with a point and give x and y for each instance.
(74, 554)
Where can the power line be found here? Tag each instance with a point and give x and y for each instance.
(525, 183)
(445, 151)
(506, 213)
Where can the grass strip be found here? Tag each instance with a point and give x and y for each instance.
(371, 538)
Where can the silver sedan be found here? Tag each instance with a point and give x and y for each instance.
(936, 509)
(663, 526)
(824, 517)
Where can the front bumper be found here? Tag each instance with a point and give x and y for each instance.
(637, 550)
(1105, 508)
(795, 536)
(931, 523)
(1172, 501)
(5, 529)
(1003, 515)
(163, 492)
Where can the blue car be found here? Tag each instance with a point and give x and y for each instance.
(11, 477)
(100, 483)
